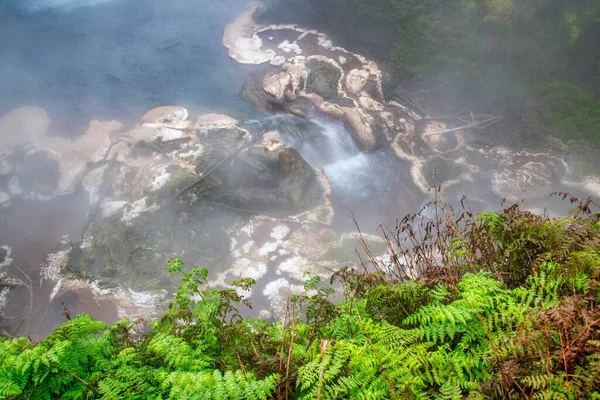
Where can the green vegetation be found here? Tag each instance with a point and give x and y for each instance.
(574, 110)
(506, 306)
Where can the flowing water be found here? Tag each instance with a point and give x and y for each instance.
(375, 187)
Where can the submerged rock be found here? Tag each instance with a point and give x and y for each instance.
(241, 38)
(39, 171)
(519, 176)
(42, 167)
(440, 171)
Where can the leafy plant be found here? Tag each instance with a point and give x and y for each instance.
(506, 307)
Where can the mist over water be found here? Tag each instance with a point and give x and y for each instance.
(84, 60)
(103, 59)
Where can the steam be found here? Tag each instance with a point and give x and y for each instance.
(58, 5)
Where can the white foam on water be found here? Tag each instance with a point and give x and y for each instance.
(349, 175)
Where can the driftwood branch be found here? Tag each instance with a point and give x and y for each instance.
(471, 125)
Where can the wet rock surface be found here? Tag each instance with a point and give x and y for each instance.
(347, 86)
(171, 187)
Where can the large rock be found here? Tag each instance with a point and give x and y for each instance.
(323, 78)
(298, 76)
(277, 84)
(369, 104)
(356, 80)
(360, 124)
(325, 107)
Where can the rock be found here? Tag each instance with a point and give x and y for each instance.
(299, 183)
(70, 176)
(342, 60)
(407, 112)
(366, 102)
(278, 293)
(518, 176)
(242, 41)
(277, 84)
(209, 122)
(331, 109)
(441, 143)
(301, 107)
(286, 85)
(253, 92)
(440, 171)
(109, 208)
(94, 144)
(271, 142)
(278, 61)
(172, 116)
(298, 74)
(356, 80)
(120, 152)
(288, 47)
(325, 107)
(360, 123)
(325, 42)
(323, 78)
(4, 199)
(388, 118)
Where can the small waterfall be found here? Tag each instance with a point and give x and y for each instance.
(372, 185)
(326, 143)
(320, 141)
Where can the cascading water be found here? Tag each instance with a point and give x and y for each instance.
(366, 184)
